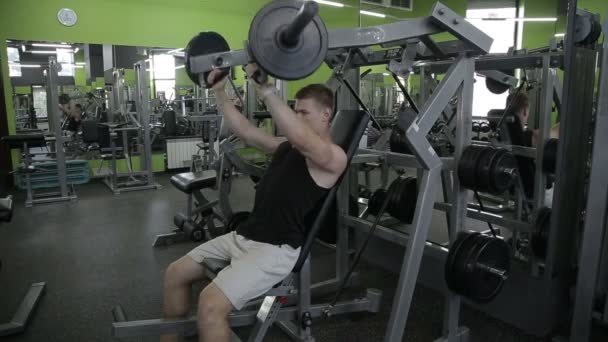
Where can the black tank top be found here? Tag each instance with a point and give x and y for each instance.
(285, 200)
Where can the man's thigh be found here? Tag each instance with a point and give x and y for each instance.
(256, 271)
(222, 247)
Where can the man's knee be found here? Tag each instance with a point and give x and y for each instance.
(183, 272)
(213, 305)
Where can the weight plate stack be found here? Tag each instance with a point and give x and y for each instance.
(404, 204)
(272, 55)
(477, 266)
(397, 141)
(467, 166)
(204, 43)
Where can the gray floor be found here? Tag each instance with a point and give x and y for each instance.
(96, 253)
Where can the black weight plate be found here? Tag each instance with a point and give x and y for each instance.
(502, 181)
(397, 141)
(466, 270)
(540, 238)
(497, 87)
(476, 153)
(466, 167)
(204, 43)
(404, 204)
(550, 156)
(583, 26)
(455, 266)
(493, 252)
(482, 169)
(485, 127)
(275, 59)
(376, 200)
(476, 127)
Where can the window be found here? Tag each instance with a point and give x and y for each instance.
(65, 57)
(14, 68)
(503, 33)
(401, 4)
(163, 67)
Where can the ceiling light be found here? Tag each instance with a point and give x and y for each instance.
(28, 65)
(36, 86)
(180, 67)
(330, 3)
(386, 74)
(23, 47)
(43, 52)
(76, 50)
(373, 14)
(80, 63)
(175, 51)
(560, 34)
(52, 45)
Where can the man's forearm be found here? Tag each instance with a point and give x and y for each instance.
(284, 118)
(236, 122)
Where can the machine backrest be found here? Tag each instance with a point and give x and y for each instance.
(347, 128)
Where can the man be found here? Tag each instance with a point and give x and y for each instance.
(264, 250)
(73, 117)
(522, 136)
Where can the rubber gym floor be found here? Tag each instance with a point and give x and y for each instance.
(97, 252)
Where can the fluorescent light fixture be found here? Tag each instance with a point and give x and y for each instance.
(373, 14)
(43, 52)
(80, 63)
(52, 45)
(386, 74)
(36, 86)
(73, 66)
(560, 34)
(517, 19)
(76, 50)
(330, 3)
(180, 67)
(27, 65)
(23, 47)
(175, 51)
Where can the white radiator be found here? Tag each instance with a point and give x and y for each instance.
(180, 151)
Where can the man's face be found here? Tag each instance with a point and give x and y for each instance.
(313, 114)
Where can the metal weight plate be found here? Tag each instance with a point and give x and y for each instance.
(492, 252)
(583, 25)
(497, 87)
(540, 238)
(278, 60)
(467, 166)
(376, 200)
(204, 43)
(502, 181)
(482, 168)
(455, 263)
(405, 205)
(397, 141)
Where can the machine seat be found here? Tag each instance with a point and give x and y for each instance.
(191, 181)
(215, 265)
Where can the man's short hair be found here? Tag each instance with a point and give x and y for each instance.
(318, 92)
(519, 101)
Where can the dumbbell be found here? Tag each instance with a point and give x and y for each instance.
(287, 40)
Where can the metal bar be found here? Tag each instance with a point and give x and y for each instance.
(595, 214)
(142, 101)
(546, 110)
(413, 255)
(157, 327)
(53, 111)
(24, 312)
(203, 63)
(460, 28)
(475, 214)
(459, 194)
(342, 239)
(441, 96)
(398, 159)
(497, 62)
(346, 38)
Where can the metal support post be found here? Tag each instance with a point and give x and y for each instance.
(595, 214)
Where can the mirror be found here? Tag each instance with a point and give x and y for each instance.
(97, 83)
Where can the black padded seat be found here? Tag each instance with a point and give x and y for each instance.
(215, 265)
(191, 181)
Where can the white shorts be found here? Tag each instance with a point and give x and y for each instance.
(255, 267)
